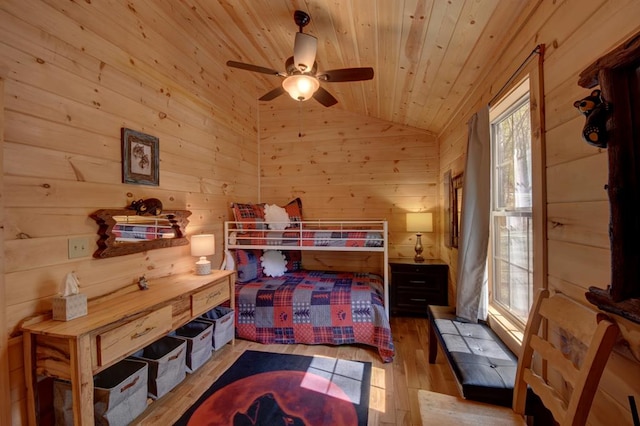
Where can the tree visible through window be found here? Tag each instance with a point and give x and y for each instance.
(511, 215)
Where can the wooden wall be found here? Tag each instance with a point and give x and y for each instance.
(347, 166)
(71, 82)
(576, 33)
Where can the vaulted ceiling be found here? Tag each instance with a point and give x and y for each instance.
(427, 54)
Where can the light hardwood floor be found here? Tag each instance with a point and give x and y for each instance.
(394, 386)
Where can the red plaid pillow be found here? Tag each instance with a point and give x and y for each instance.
(294, 210)
(248, 265)
(293, 259)
(251, 215)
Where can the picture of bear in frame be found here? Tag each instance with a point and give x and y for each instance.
(140, 158)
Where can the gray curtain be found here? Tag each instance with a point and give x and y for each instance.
(471, 300)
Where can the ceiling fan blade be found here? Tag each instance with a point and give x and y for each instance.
(324, 97)
(254, 68)
(272, 94)
(304, 51)
(347, 74)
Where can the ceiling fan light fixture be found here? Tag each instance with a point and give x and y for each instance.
(301, 87)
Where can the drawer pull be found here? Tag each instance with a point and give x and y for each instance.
(142, 333)
(213, 295)
(418, 300)
(417, 282)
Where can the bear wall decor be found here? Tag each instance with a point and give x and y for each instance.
(596, 112)
(150, 206)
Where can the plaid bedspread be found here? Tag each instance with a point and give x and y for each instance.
(315, 307)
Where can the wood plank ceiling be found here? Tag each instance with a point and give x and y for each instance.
(426, 54)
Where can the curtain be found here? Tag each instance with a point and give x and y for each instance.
(472, 292)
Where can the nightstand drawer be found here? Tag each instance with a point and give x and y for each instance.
(424, 282)
(412, 302)
(419, 268)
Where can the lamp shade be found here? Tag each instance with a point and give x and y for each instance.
(420, 222)
(301, 87)
(203, 245)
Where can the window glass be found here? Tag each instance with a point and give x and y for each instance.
(512, 230)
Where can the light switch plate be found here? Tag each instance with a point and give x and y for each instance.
(79, 247)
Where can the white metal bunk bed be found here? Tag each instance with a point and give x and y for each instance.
(316, 235)
(297, 305)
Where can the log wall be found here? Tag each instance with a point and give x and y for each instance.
(71, 82)
(576, 33)
(346, 166)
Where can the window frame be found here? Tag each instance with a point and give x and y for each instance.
(508, 326)
(505, 108)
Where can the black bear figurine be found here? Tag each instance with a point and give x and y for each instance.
(596, 111)
(150, 206)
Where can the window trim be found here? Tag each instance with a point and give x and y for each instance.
(508, 329)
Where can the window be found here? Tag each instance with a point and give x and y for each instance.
(511, 241)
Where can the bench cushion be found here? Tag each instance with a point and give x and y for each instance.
(484, 366)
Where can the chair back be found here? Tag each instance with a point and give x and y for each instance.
(572, 347)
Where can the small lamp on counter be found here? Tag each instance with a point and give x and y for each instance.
(419, 223)
(203, 245)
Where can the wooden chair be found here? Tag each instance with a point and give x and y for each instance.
(565, 318)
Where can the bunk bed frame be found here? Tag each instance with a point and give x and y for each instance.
(315, 235)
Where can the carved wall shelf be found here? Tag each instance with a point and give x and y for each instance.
(123, 232)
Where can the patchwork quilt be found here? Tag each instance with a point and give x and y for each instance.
(315, 307)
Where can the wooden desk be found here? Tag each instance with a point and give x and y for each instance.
(114, 328)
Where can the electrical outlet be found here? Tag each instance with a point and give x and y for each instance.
(79, 247)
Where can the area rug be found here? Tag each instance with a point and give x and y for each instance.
(263, 388)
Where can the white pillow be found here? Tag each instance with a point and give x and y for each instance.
(276, 217)
(273, 263)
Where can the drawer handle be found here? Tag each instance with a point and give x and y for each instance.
(213, 295)
(129, 385)
(418, 300)
(417, 282)
(142, 333)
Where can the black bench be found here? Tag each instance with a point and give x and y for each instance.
(483, 365)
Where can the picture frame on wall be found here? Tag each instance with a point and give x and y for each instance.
(140, 158)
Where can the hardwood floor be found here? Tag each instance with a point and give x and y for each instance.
(394, 386)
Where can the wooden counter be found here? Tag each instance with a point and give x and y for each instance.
(114, 328)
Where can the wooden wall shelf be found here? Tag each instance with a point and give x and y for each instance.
(111, 244)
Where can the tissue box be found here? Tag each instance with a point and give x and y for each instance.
(66, 308)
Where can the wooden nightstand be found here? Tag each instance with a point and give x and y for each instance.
(416, 285)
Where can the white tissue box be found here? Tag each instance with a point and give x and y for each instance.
(66, 308)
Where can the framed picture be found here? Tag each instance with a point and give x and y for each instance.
(140, 158)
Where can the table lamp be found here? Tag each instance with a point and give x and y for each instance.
(419, 223)
(203, 245)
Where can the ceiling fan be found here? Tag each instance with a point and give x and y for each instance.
(302, 79)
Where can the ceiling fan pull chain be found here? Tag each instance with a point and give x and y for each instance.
(299, 119)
